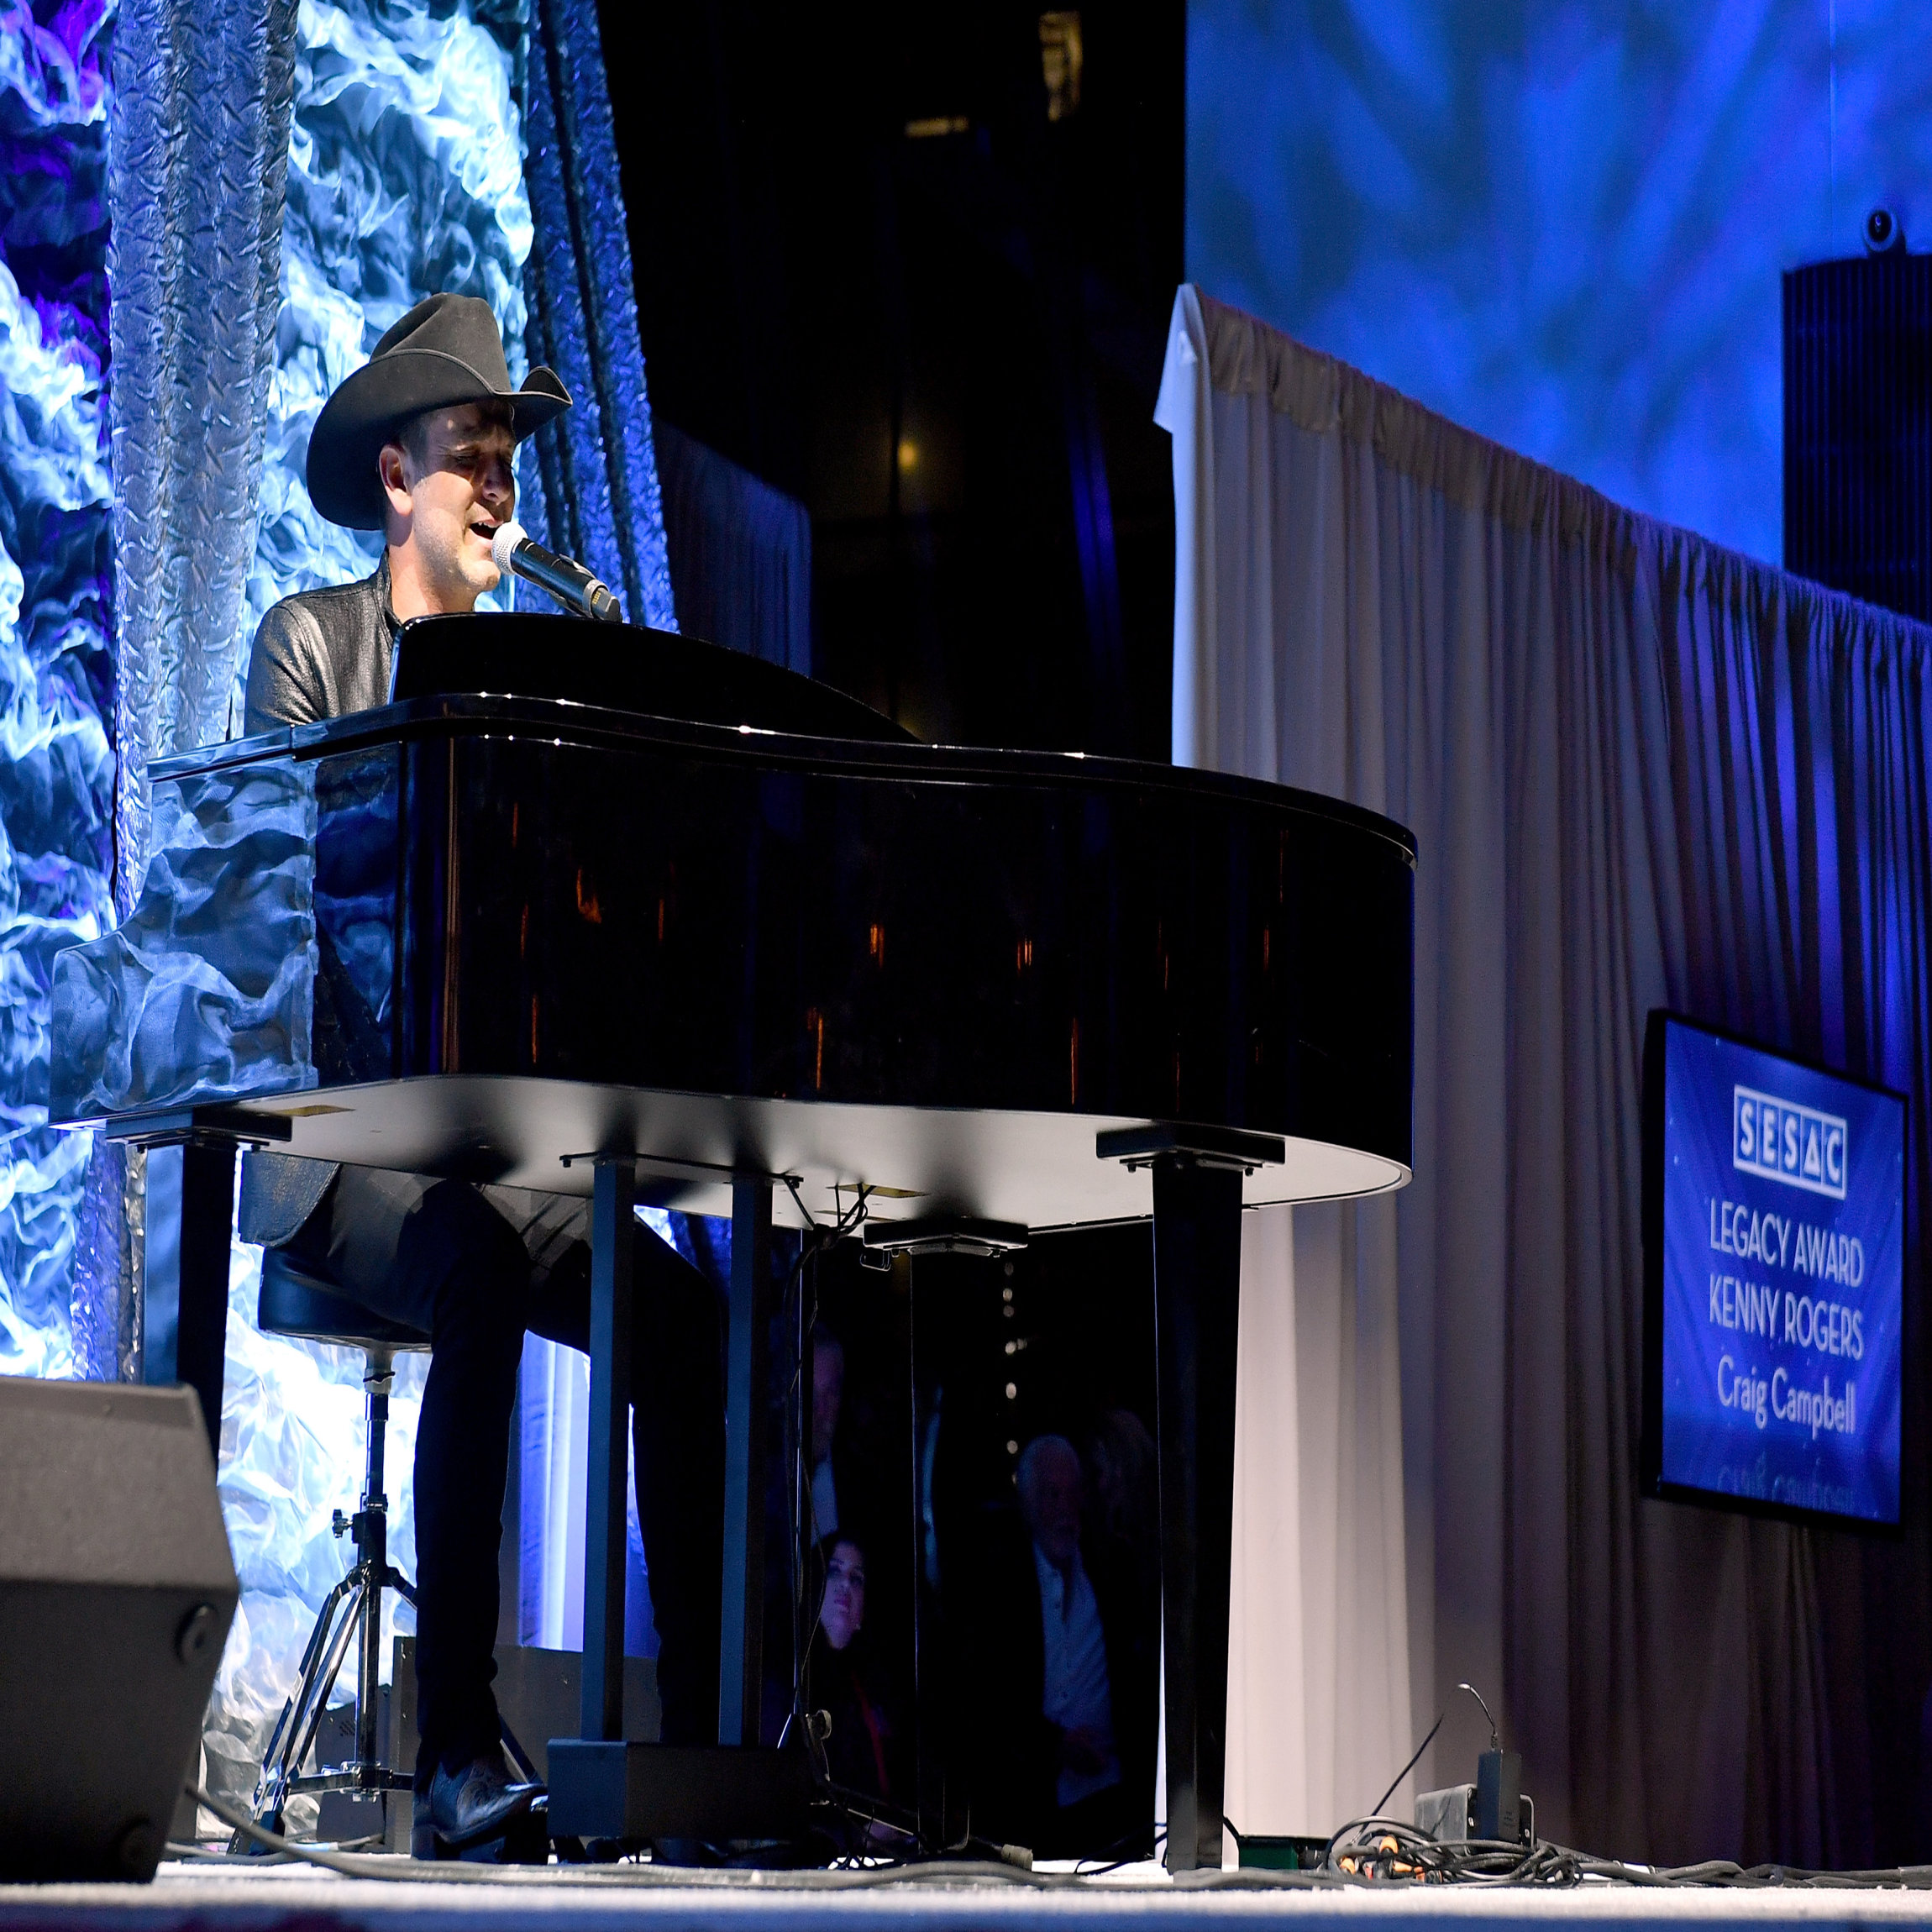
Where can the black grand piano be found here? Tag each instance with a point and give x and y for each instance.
(613, 912)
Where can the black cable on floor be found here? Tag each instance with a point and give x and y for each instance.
(398, 1868)
(1425, 1860)
(1385, 1852)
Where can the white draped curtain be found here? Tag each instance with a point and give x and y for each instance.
(1641, 771)
(1318, 1666)
(1320, 1716)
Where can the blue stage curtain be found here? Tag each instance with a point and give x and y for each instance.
(1642, 771)
(56, 683)
(284, 184)
(741, 554)
(593, 491)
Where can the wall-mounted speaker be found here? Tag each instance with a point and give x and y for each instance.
(116, 1594)
(1858, 425)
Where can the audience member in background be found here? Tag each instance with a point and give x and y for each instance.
(865, 1750)
(1075, 1693)
(1127, 1510)
(1066, 1688)
(827, 1393)
(835, 1496)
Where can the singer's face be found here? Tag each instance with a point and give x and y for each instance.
(449, 484)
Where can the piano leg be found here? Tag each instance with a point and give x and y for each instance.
(741, 1651)
(209, 1138)
(602, 1785)
(207, 1219)
(939, 1778)
(611, 1233)
(1197, 1297)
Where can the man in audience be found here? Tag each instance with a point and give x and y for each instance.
(1075, 1695)
(1066, 1677)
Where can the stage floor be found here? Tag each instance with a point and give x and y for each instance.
(562, 1900)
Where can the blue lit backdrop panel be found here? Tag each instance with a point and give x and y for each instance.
(407, 174)
(1563, 227)
(56, 772)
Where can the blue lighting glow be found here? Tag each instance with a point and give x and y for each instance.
(57, 769)
(1562, 227)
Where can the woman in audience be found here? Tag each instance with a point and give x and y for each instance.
(865, 1751)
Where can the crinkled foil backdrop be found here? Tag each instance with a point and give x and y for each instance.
(405, 171)
(56, 768)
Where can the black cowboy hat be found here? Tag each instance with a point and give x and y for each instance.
(445, 351)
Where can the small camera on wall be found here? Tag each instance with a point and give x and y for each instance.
(1884, 232)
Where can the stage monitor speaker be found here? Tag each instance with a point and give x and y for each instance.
(1858, 425)
(116, 1594)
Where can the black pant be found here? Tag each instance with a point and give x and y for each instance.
(438, 1255)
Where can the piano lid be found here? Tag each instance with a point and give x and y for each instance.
(625, 668)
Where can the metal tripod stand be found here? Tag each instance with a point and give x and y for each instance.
(353, 1612)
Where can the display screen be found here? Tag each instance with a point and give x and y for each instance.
(1775, 1254)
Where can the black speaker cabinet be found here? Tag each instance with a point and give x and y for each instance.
(1858, 427)
(116, 1594)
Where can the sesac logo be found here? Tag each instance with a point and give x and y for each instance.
(1783, 1141)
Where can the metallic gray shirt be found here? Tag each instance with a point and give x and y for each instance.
(321, 654)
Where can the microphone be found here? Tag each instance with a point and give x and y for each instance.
(569, 583)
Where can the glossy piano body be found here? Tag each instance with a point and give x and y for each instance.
(938, 972)
(746, 960)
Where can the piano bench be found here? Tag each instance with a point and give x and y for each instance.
(296, 1303)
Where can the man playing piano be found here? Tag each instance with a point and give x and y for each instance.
(418, 443)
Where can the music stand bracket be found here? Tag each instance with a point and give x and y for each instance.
(943, 1234)
(1224, 1148)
